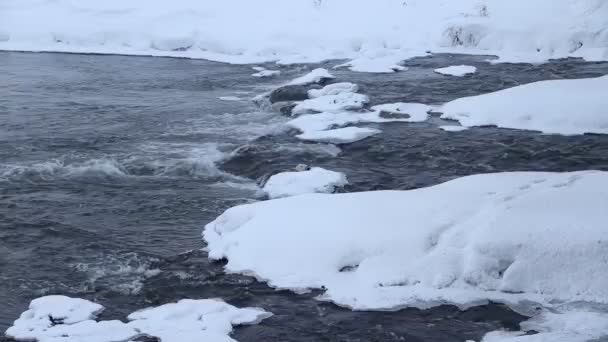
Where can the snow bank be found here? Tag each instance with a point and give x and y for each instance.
(65, 319)
(505, 237)
(345, 135)
(315, 180)
(556, 106)
(376, 35)
(457, 70)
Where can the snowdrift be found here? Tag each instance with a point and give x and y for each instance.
(375, 34)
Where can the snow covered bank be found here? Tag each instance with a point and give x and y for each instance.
(457, 70)
(376, 35)
(506, 237)
(557, 106)
(315, 180)
(65, 319)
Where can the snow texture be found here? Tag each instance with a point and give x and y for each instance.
(457, 70)
(331, 103)
(263, 72)
(65, 319)
(555, 106)
(375, 35)
(414, 112)
(315, 180)
(316, 76)
(453, 128)
(344, 135)
(505, 237)
(334, 89)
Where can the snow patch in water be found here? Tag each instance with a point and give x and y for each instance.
(314, 180)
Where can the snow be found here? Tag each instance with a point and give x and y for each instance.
(331, 103)
(334, 89)
(457, 70)
(375, 35)
(564, 325)
(229, 98)
(65, 319)
(415, 111)
(506, 237)
(315, 180)
(344, 135)
(555, 106)
(263, 72)
(315, 76)
(452, 128)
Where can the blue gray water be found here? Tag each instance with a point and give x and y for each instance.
(111, 165)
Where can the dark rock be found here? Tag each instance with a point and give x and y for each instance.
(291, 93)
(393, 115)
(283, 107)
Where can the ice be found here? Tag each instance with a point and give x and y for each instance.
(412, 112)
(457, 70)
(316, 76)
(453, 128)
(334, 89)
(331, 103)
(65, 319)
(345, 135)
(565, 325)
(374, 35)
(263, 72)
(555, 106)
(229, 98)
(506, 237)
(315, 180)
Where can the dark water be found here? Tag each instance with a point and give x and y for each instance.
(111, 165)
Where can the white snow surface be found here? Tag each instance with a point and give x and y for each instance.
(331, 103)
(315, 76)
(505, 237)
(416, 111)
(315, 180)
(263, 72)
(185, 321)
(457, 70)
(556, 106)
(334, 89)
(453, 128)
(375, 35)
(344, 135)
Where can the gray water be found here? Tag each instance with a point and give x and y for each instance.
(111, 165)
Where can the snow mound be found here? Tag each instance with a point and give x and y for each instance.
(331, 103)
(315, 180)
(263, 72)
(411, 112)
(374, 64)
(556, 106)
(316, 76)
(453, 128)
(505, 237)
(344, 135)
(457, 70)
(334, 89)
(569, 325)
(65, 319)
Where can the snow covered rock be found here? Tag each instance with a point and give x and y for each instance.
(333, 89)
(318, 75)
(65, 319)
(344, 135)
(411, 112)
(457, 70)
(557, 106)
(331, 103)
(314, 180)
(505, 237)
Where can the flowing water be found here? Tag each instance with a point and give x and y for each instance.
(111, 165)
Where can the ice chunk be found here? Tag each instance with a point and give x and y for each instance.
(334, 89)
(316, 76)
(457, 70)
(229, 98)
(331, 103)
(505, 237)
(340, 135)
(453, 128)
(411, 112)
(263, 72)
(375, 64)
(316, 179)
(556, 106)
(65, 319)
